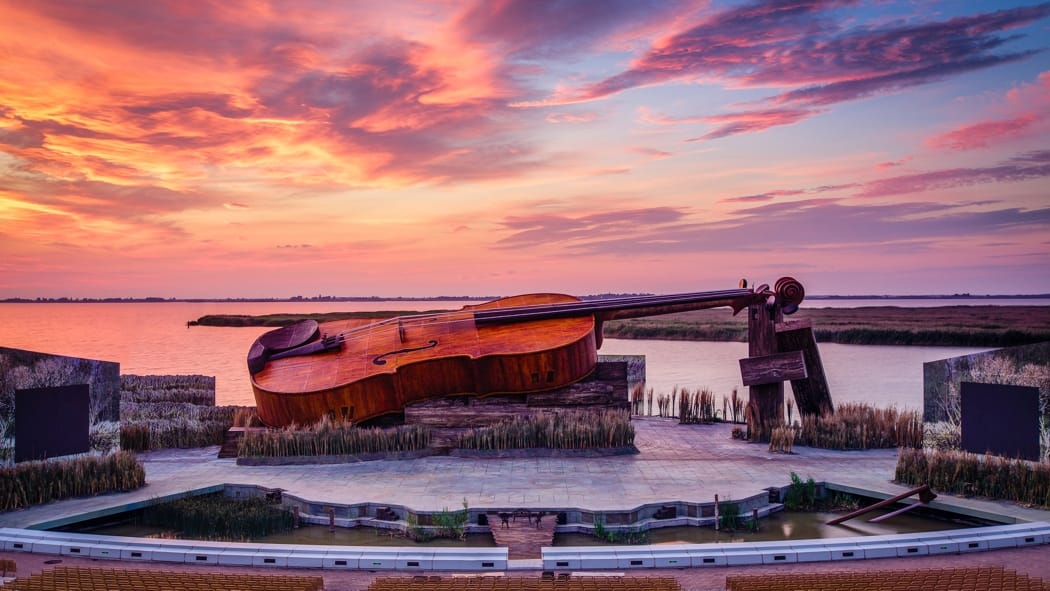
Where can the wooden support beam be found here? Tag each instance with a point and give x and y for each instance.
(766, 402)
(903, 509)
(770, 369)
(812, 396)
(605, 388)
(925, 496)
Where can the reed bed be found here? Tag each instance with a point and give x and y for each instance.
(562, 430)
(861, 426)
(171, 433)
(964, 473)
(696, 407)
(191, 389)
(782, 440)
(34, 483)
(214, 517)
(175, 411)
(330, 437)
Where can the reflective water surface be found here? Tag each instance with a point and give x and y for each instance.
(152, 338)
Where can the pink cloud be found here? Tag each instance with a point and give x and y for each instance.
(751, 121)
(571, 117)
(980, 135)
(1026, 109)
(797, 44)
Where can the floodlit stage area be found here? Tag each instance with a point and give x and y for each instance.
(676, 464)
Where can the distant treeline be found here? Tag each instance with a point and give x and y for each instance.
(958, 326)
(442, 298)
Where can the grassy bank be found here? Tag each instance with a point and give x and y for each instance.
(277, 320)
(958, 326)
(962, 326)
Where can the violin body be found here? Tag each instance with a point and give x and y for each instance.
(357, 371)
(466, 358)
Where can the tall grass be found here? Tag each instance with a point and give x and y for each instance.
(964, 473)
(860, 426)
(561, 430)
(192, 389)
(331, 437)
(696, 407)
(34, 483)
(782, 439)
(176, 411)
(214, 517)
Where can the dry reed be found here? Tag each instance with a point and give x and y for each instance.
(330, 437)
(561, 430)
(34, 483)
(964, 473)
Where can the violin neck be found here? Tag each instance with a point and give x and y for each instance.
(616, 308)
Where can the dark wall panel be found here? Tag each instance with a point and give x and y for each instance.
(51, 422)
(1003, 420)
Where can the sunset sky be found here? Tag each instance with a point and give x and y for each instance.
(493, 147)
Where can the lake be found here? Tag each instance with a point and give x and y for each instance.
(152, 338)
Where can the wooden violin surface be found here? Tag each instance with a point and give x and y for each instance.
(383, 366)
(358, 370)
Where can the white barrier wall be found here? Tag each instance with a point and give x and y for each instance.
(243, 554)
(856, 548)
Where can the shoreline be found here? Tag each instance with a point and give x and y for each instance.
(953, 326)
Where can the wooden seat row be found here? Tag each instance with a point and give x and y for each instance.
(8, 567)
(947, 579)
(572, 583)
(115, 579)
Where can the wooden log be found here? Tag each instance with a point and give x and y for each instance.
(605, 388)
(812, 396)
(766, 400)
(925, 496)
(770, 369)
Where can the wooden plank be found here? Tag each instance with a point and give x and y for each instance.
(605, 388)
(925, 496)
(771, 369)
(812, 395)
(766, 401)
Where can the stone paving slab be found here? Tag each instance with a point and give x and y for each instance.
(676, 462)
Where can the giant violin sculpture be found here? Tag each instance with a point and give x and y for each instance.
(520, 344)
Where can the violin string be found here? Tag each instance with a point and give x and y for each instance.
(495, 315)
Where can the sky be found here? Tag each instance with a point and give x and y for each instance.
(496, 147)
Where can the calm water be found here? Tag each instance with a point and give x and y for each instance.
(784, 526)
(152, 338)
(776, 527)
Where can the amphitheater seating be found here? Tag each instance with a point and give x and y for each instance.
(118, 579)
(570, 583)
(946, 579)
(8, 568)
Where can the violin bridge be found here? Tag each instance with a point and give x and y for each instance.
(400, 332)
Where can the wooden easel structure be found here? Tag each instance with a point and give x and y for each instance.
(780, 351)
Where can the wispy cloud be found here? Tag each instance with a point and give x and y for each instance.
(799, 45)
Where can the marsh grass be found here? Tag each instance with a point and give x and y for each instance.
(215, 517)
(696, 407)
(176, 411)
(332, 437)
(861, 426)
(964, 473)
(1001, 326)
(782, 440)
(35, 483)
(191, 389)
(560, 430)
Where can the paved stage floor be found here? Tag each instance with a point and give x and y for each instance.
(676, 462)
